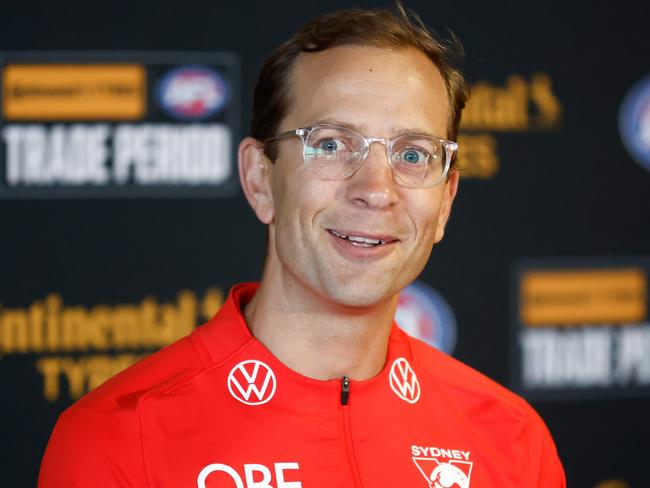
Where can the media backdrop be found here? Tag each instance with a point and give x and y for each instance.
(123, 226)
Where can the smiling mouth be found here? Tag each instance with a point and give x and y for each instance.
(358, 241)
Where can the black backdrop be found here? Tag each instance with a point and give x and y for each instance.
(565, 191)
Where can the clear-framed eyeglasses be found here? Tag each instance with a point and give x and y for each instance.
(335, 152)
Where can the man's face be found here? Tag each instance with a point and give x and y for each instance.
(381, 93)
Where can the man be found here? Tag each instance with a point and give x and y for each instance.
(305, 381)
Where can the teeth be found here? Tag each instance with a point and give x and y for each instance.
(364, 240)
(358, 239)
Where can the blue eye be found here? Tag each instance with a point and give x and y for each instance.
(328, 145)
(326, 148)
(413, 156)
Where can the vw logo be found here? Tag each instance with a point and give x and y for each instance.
(252, 382)
(403, 381)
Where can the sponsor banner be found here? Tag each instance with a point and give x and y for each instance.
(73, 92)
(519, 104)
(108, 125)
(581, 328)
(76, 348)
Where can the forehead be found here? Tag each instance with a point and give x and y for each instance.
(379, 90)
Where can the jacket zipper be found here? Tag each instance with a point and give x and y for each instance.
(345, 390)
(346, 429)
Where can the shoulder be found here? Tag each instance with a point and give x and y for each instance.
(119, 396)
(463, 383)
(99, 437)
(172, 365)
(491, 409)
(98, 440)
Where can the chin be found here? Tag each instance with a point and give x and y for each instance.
(355, 296)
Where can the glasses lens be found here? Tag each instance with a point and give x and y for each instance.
(333, 152)
(418, 160)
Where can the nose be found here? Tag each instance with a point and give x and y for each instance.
(373, 185)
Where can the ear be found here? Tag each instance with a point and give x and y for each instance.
(255, 175)
(449, 193)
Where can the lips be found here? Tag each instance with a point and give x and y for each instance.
(356, 239)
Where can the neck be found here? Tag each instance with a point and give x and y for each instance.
(316, 338)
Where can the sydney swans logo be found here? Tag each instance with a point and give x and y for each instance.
(404, 382)
(443, 468)
(252, 382)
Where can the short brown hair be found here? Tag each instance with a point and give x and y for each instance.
(380, 28)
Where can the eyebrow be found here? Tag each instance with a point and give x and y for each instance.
(398, 132)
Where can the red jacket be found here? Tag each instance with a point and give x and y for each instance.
(217, 409)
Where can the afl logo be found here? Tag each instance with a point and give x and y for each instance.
(252, 382)
(424, 314)
(191, 92)
(634, 122)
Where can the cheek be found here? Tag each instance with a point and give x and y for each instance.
(424, 216)
(297, 199)
(285, 192)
